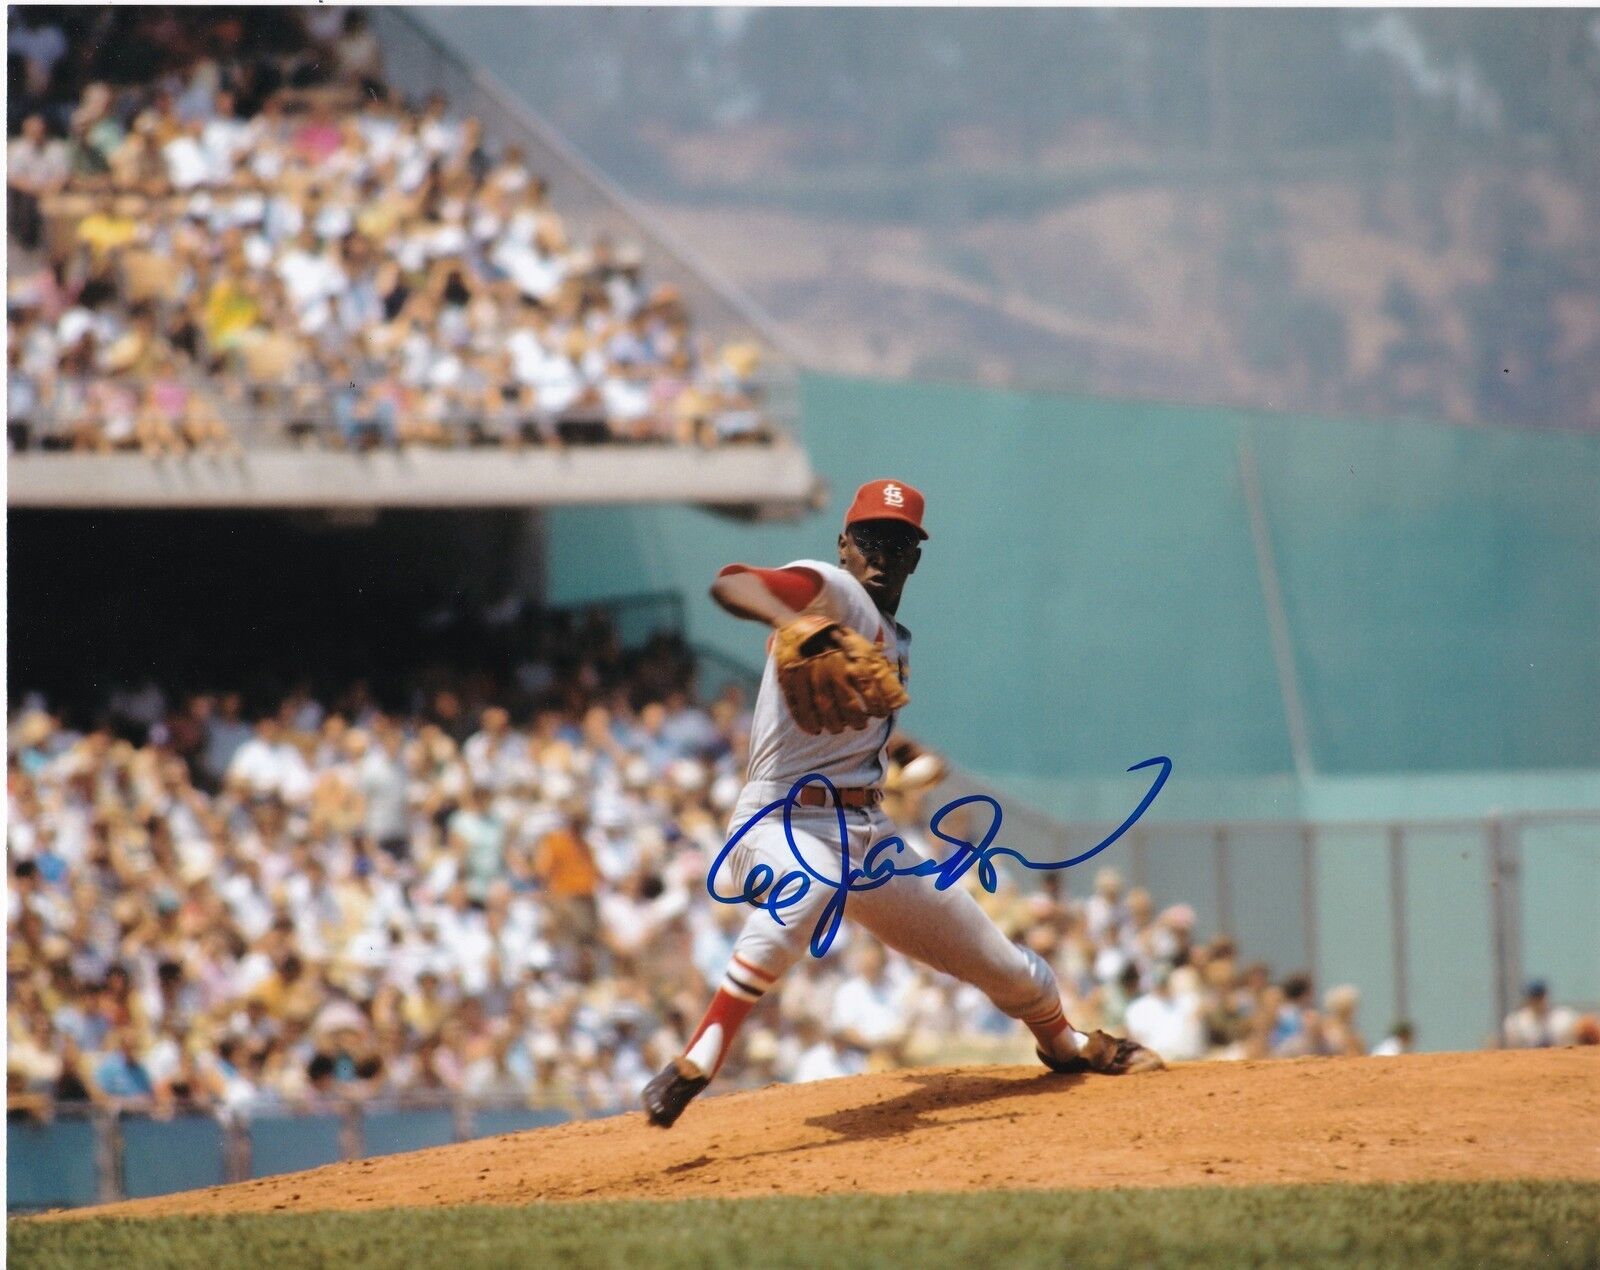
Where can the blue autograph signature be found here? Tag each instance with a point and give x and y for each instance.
(763, 888)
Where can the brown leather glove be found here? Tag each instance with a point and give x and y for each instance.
(832, 677)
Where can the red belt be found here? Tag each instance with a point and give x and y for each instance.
(853, 798)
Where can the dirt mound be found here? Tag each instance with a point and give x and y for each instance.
(1533, 1114)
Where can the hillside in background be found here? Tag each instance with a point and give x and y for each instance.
(1358, 212)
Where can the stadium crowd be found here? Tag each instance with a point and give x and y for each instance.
(494, 888)
(233, 223)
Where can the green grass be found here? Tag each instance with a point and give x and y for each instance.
(1433, 1224)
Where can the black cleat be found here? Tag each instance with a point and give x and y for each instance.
(671, 1091)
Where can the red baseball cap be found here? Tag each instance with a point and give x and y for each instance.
(887, 500)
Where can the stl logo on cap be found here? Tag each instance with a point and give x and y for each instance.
(888, 500)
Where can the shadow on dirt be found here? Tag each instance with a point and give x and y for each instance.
(910, 1112)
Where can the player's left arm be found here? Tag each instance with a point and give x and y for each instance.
(772, 596)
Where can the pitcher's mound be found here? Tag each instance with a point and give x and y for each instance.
(1530, 1114)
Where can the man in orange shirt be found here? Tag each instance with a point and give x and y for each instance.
(565, 867)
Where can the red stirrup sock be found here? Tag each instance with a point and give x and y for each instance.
(742, 987)
(1055, 1035)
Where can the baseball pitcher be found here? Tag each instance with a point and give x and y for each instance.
(835, 678)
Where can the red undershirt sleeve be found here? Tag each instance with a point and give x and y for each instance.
(796, 587)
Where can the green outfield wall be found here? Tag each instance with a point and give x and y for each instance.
(1092, 594)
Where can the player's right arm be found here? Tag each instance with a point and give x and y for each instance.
(773, 596)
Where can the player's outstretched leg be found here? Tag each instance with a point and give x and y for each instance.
(764, 950)
(948, 931)
(680, 1081)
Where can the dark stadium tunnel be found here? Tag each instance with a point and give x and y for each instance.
(205, 600)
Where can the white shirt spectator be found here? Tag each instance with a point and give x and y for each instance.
(440, 136)
(518, 947)
(626, 400)
(247, 904)
(78, 321)
(255, 969)
(223, 140)
(466, 939)
(258, 252)
(823, 1061)
(528, 353)
(536, 274)
(316, 914)
(188, 164)
(161, 1060)
(380, 131)
(281, 218)
(334, 221)
(268, 768)
(558, 384)
(485, 225)
(40, 351)
(382, 782)
(223, 739)
(450, 238)
(245, 209)
(313, 278)
(495, 762)
(874, 1010)
(414, 164)
(237, 1091)
(1169, 1023)
(1527, 1028)
(36, 165)
(1104, 917)
(632, 923)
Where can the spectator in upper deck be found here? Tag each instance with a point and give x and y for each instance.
(341, 263)
(37, 165)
